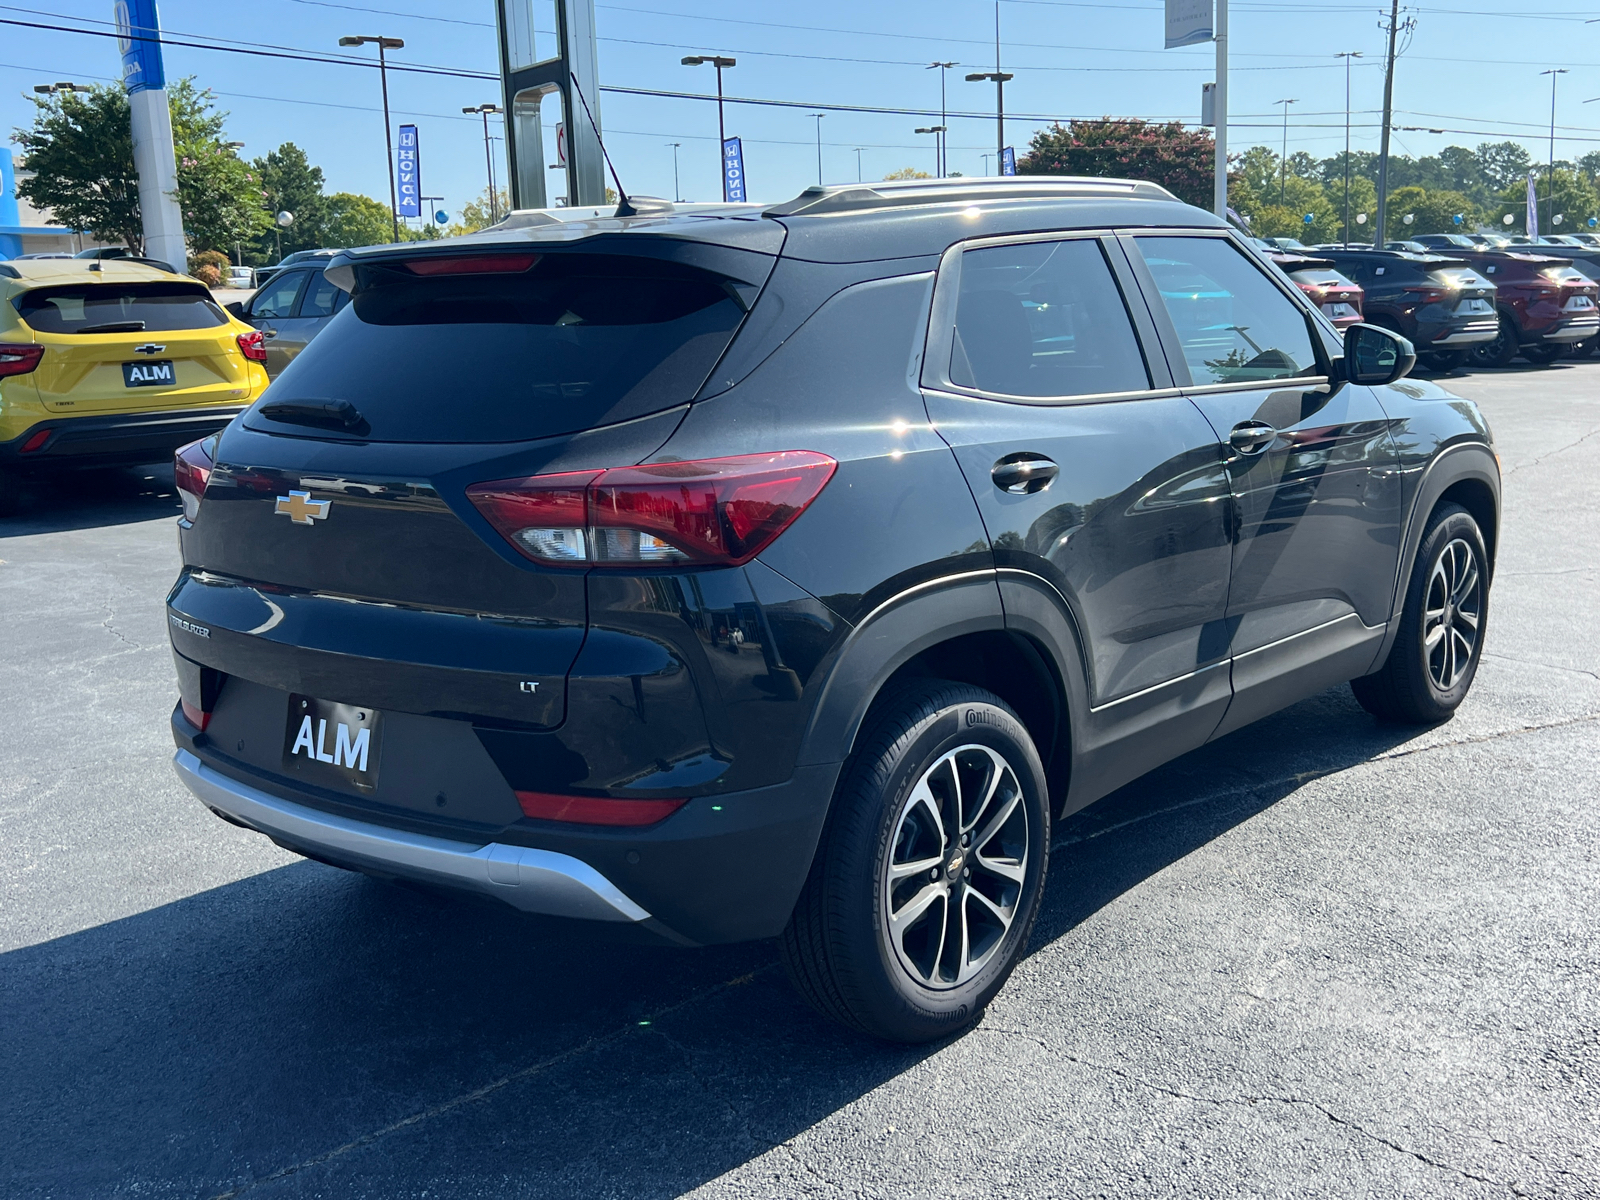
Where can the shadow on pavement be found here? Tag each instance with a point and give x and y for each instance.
(92, 498)
(305, 1030)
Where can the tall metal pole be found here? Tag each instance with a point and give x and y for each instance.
(1347, 55)
(1283, 159)
(819, 117)
(1381, 232)
(858, 163)
(488, 161)
(999, 90)
(1550, 175)
(388, 137)
(677, 192)
(1219, 187)
(942, 167)
(722, 135)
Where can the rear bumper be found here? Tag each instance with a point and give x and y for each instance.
(537, 881)
(1474, 333)
(1574, 330)
(121, 439)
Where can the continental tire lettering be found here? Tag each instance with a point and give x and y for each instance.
(999, 720)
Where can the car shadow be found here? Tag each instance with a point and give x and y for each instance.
(305, 1029)
(92, 498)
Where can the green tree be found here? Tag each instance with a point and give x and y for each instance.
(1432, 212)
(1178, 159)
(81, 152)
(907, 173)
(356, 221)
(475, 213)
(289, 183)
(1576, 199)
(1502, 163)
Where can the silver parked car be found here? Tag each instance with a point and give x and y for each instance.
(292, 307)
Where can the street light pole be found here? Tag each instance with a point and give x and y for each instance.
(1550, 187)
(986, 158)
(383, 44)
(944, 116)
(677, 192)
(937, 131)
(858, 150)
(1347, 55)
(488, 156)
(819, 117)
(1283, 159)
(718, 61)
(999, 77)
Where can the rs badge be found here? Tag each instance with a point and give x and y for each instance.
(300, 508)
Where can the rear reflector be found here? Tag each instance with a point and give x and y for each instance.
(595, 810)
(36, 441)
(191, 471)
(710, 512)
(19, 359)
(253, 345)
(477, 264)
(194, 716)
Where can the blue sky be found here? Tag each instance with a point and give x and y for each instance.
(1471, 68)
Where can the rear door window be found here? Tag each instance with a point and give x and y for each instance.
(321, 298)
(573, 341)
(1233, 325)
(277, 298)
(1044, 319)
(119, 308)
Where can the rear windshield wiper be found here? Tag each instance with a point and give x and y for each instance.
(114, 327)
(326, 414)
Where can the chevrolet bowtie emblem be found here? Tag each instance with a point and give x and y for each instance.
(148, 348)
(300, 508)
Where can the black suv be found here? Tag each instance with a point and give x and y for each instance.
(738, 574)
(1440, 304)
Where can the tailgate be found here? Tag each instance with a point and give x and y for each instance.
(128, 372)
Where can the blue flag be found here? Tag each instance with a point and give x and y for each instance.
(408, 173)
(733, 171)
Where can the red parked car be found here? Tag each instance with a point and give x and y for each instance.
(1338, 296)
(1545, 305)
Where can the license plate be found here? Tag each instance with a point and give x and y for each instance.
(149, 374)
(1340, 309)
(332, 743)
(1473, 308)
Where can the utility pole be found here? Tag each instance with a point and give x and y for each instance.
(1283, 159)
(1347, 55)
(986, 158)
(677, 192)
(386, 43)
(1550, 186)
(1219, 186)
(1380, 233)
(944, 117)
(488, 156)
(858, 150)
(938, 132)
(719, 62)
(999, 77)
(819, 117)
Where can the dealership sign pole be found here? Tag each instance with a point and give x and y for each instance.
(145, 80)
(1190, 22)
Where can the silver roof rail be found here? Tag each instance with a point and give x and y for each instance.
(859, 197)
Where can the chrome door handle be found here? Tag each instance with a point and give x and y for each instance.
(1252, 437)
(1023, 474)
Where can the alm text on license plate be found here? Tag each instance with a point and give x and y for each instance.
(332, 743)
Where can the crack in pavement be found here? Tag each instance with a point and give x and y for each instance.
(1546, 666)
(488, 1089)
(1248, 1101)
(1302, 777)
(1551, 454)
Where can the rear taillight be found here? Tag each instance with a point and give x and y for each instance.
(19, 359)
(191, 471)
(1428, 295)
(596, 810)
(195, 715)
(711, 512)
(253, 345)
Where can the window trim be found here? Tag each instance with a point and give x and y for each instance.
(940, 342)
(1183, 379)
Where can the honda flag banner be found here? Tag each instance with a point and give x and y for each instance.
(1188, 22)
(1533, 209)
(733, 171)
(408, 173)
(1008, 160)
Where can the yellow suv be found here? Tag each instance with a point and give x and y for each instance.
(109, 362)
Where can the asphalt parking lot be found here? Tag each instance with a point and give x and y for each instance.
(1321, 957)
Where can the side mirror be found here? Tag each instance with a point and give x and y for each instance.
(236, 308)
(1374, 355)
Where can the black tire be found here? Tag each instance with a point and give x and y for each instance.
(838, 948)
(1543, 353)
(1499, 352)
(1416, 685)
(10, 493)
(1443, 360)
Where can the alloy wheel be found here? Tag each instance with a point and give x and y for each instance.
(1452, 614)
(956, 867)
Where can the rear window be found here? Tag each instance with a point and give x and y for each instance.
(119, 308)
(572, 342)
